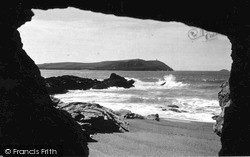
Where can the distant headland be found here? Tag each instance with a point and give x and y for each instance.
(224, 70)
(126, 65)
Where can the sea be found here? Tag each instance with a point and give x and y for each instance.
(177, 95)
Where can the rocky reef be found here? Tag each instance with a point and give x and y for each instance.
(224, 102)
(95, 118)
(62, 84)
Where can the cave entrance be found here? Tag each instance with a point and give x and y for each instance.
(189, 93)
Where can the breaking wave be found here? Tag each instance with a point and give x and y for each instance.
(194, 109)
(179, 99)
(168, 82)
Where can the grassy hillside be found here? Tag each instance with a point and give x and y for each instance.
(127, 65)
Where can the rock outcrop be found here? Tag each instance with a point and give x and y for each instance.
(128, 114)
(114, 81)
(153, 117)
(224, 102)
(95, 118)
(62, 84)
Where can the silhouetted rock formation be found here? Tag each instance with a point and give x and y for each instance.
(62, 84)
(114, 81)
(95, 118)
(23, 91)
(28, 117)
(235, 137)
(224, 101)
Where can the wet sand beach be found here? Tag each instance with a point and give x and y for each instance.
(148, 138)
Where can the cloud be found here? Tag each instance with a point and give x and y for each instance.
(74, 35)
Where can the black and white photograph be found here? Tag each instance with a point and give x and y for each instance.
(123, 78)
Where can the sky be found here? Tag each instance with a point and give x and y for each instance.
(72, 35)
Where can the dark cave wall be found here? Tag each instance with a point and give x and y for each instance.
(26, 109)
(235, 136)
(27, 115)
(218, 16)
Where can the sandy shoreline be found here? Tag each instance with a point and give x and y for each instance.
(155, 139)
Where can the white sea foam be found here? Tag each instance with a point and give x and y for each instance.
(196, 105)
(97, 96)
(146, 109)
(194, 109)
(168, 82)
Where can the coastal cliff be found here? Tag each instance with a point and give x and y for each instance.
(126, 65)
